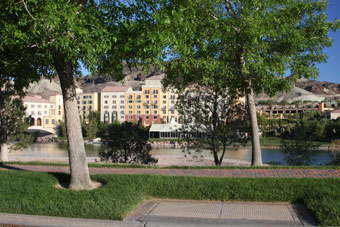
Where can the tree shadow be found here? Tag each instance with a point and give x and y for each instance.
(9, 167)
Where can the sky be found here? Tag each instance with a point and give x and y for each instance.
(329, 71)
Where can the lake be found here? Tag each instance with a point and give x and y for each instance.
(59, 150)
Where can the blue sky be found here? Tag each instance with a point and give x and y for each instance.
(329, 71)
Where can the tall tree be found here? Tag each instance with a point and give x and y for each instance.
(54, 37)
(13, 123)
(212, 118)
(255, 43)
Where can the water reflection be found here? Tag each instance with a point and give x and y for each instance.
(92, 150)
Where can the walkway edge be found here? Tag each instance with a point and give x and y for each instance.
(50, 221)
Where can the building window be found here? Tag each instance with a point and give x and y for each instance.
(59, 112)
(52, 121)
(155, 112)
(164, 102)
(90, 108)
(106, 96)
(90, 97)
(122, 101)
(114, 107)
(130, 107)
(32, 113)
(172, 96)
(147, 96)
(122, 107)
(105, 102)
(130, 97)
(106, 107)
(130, 101)
(121, 117)
(155, 92)
(78, 102)
(164, 96)
(155, 117)
(32, 105)
(155, 96)
(138, 107)
(84, 102)
(45, 106)
(45, 112)
(46, 121)
(146, 117)
(138, 111)
(114, 101)
(114, 96)
(146, 91)
(138, 97)
(39, 106)
(39, 113)
(130, 112)
(130, 117)
(122, 112)
(122, 96)
(90, 102)
(146, 122)
(147, 112)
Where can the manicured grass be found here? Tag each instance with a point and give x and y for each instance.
(34, 193)
(113, 165)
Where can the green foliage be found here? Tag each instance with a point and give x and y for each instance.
(91, 129)
(122, 193)
(298, 152)
(212, 118)
(62, 129)
(13, 121)
(127, 143)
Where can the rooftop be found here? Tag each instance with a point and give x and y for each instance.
(36, 99)
(115, 89)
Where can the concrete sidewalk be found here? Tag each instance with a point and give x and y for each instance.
(206, 213)
(177, 213)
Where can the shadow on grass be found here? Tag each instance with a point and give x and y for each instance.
(8, 167)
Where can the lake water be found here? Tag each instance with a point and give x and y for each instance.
(45, 150)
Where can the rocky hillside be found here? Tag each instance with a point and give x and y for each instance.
(304, 90)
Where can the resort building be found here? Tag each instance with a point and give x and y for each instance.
(42, 112)
(113, 103)
(87, 102)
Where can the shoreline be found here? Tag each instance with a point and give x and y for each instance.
(163, 160)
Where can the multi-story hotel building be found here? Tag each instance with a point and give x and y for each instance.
(113, 103)
(42, 112)
(87, 102)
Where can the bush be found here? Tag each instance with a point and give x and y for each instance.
(298, 152)
(127, 143)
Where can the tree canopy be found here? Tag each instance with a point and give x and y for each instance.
(255, 45)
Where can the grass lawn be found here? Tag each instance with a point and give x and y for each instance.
(34, 193)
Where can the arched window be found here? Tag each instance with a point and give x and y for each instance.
(106, 116)
(39, 121)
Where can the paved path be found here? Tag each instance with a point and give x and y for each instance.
(179, 213)
(315, 173)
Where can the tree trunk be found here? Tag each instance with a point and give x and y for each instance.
(256, 159)
(3, 153)
(80, 177)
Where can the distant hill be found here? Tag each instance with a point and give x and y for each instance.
(307, 90)
(304, 90)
